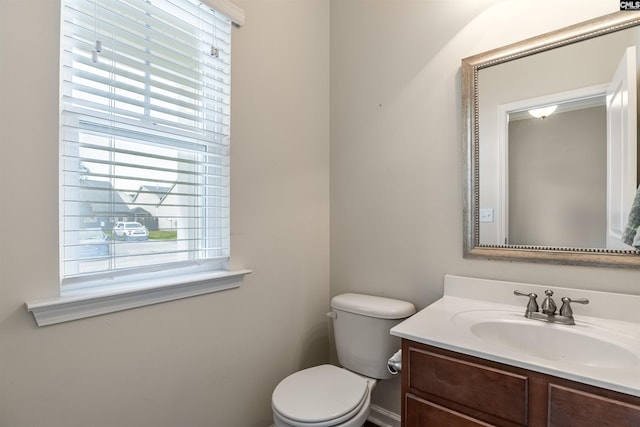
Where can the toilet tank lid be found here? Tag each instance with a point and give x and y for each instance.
(373, 306)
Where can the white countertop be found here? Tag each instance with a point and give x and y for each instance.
(614, 317)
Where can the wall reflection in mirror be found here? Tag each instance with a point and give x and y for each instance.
(558, 157)
(561, 182)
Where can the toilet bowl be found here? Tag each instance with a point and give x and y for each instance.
(322, 396)
(332, 396)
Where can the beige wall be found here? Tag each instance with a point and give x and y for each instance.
(396, 145)
(396, 207)
(558, 179)
(206, 361)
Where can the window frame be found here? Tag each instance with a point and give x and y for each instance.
(102, 295)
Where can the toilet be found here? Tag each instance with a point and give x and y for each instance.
(332, 396)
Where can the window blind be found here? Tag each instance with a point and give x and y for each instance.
(145, 130)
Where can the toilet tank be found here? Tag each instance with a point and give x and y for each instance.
(361, 325)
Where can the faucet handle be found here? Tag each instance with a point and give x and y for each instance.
(566, 310)
(532, 305)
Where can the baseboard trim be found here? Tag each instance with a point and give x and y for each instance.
(383, 418)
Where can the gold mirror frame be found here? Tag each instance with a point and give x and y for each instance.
(470, 66)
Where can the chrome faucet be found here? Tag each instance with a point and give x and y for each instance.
(548, 309)
(548, 305)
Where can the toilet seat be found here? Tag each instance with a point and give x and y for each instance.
(321, 396)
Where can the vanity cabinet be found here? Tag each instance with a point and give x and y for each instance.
(445, 388)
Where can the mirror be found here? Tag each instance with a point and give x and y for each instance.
(557, 188)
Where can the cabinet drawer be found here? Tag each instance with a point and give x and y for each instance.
(568, 406)
(422, 413)
(492, 391)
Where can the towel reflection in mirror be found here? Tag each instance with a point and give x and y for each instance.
(631, 236)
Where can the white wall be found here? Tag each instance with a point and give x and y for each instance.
(396, 145)
(205, 361)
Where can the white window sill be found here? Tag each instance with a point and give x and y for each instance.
(82, 304)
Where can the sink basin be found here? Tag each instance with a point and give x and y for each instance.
(555, 342)
(586, 344)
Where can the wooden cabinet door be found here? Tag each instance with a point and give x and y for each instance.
(422, 413)
(442, 388)
(571, 407)
(493, 392)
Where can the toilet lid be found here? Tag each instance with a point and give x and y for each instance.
(319, 394)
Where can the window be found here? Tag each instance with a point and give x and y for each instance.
(145, 136)
(144, 145)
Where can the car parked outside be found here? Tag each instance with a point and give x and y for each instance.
(93, 242)
(130, 231)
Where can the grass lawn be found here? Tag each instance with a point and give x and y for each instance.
(155, 234)
(163, 234)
